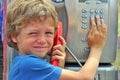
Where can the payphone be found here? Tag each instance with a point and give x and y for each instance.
(75, 15)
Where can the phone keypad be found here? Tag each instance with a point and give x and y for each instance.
(86, 14)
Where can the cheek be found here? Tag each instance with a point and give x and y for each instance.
(27, 42)
(51, 41)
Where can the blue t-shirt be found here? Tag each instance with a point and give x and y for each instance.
(31, 67)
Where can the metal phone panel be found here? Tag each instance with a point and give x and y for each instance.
(62, 14)
(78, 14)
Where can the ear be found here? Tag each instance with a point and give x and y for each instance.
(13, 38)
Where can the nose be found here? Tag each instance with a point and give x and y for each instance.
(41, 39)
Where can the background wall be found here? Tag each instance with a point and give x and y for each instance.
(118, 53)
(117, 61)
(118, 56)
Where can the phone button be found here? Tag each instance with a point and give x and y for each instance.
(84, 21)
(84, 11)
(101, 17)
(97, 11)
(84, 27)
(102, 11)
(92, 16)
(83, 39)
(58, 1)
(92, 11)
(84, 16)
(87, 49)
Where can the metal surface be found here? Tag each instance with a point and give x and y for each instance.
(104, 72)
(76, 26)
(72, 54)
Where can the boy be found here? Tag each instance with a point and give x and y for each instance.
(31, 27)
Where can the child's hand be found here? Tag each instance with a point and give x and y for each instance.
(59, 53)
(97, 34)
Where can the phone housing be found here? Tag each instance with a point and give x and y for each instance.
(75, 16)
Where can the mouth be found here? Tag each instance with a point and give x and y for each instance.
(40, 48)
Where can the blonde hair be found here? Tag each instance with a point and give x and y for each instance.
(23, 11)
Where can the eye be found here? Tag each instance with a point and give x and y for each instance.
(50, 33)
(33, 33)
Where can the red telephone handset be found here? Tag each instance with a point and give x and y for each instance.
(57, 40)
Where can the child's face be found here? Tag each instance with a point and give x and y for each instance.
(36, 38)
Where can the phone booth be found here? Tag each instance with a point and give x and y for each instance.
(75, 16)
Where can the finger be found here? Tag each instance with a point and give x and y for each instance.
(104, 27)
(59, 47)
(89, 33)
(93, 24)
(57, 57)
(57, 52)
(98, 23)
(63, 41)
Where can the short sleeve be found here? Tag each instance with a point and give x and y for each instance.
(35, 68)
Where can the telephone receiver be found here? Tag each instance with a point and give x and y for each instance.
(57, 41)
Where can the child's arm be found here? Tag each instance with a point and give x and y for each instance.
(96, 41)
(59, 53)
